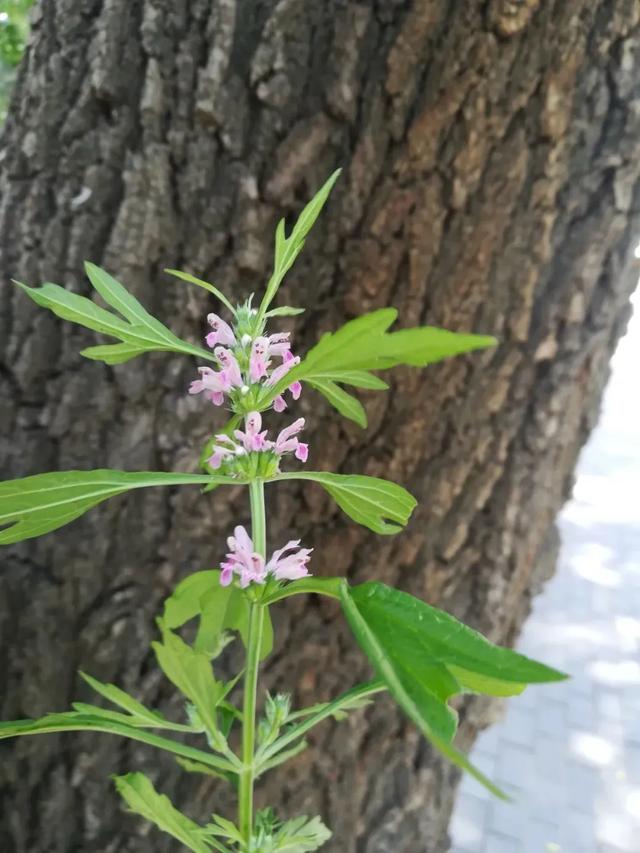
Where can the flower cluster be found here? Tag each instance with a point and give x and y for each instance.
(288, 563)
(246, 362)
(253, 439)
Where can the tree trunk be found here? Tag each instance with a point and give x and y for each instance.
(491, 183)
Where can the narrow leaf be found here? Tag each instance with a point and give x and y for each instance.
(41, 503)
(71, 721)
(185, 276)
(139, 713)
(284, 311)
(345, 403)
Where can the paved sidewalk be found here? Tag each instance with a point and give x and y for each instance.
(570, 753)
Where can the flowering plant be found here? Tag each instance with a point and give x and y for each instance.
(420, 655)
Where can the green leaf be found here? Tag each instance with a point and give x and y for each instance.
(349, 701)
(321, 586)
(138, 331)
(41, 503)
(197, 767)
(143, 799)
(137, 714)
(185, 276)
(224, 828)
(300, 835)
(348, 355)
(428, 345)
(356, 378)
(345, 403)
(284, 311)
(424, 656)
(477, 683)
(191, 672)
(380, 505)
(219, 608)
(287, 249)
(72, 721)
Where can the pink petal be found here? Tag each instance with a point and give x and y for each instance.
(279, 404)
(302, 452)
(242, 538)
(226, 575)
(296, 389)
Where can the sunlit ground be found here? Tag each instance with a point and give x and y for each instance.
(570, 753)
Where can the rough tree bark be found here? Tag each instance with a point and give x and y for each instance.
(492, 155)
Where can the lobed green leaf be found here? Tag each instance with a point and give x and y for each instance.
(136, 329)
(347, 357)
(143, 799)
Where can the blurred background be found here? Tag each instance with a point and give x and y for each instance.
(491, 183)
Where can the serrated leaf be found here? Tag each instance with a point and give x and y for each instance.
(72, 721)
(301, 835)
(41, 503)
(138, 331)
(143, 799)
(420, 652)
(380, 505)
(192, 279)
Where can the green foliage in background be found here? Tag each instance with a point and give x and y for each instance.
(14, 29)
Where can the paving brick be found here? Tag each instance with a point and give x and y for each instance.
(502, 843)
(469, 822)
(570, 752)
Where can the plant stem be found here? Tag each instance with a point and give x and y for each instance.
(254, 643)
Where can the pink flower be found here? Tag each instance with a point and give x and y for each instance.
(222, 332)
(286, 442)
(212, 384)
(259, 359)
(242, 560)
(279, 344)
(279, 404)
(252, 438)
(231, 368)
(291, 567)
(224, 449)
(282, 370)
